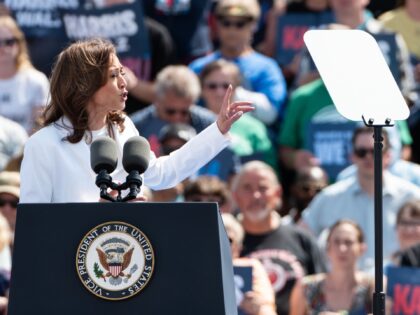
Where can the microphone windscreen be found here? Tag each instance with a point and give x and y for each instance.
(103, 155)
(136, 154)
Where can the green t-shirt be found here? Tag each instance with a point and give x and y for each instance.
(250, 139)
(304, 103)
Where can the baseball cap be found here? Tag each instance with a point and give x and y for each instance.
(238, 8)
(10, 183)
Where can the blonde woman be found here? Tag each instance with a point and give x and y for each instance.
(23, 89)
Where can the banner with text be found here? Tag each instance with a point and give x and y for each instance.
(290, 30)
(122, 24)
(404, 289)
(328, 137)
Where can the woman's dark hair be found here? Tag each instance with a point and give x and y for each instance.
(360, 236)
(221, 64)
(80, 70)
(412, 207)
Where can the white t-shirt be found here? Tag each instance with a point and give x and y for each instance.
(54, 170)
(22, 94)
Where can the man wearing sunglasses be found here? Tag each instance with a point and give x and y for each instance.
(353, 198)
(236, 25)
(177, 90)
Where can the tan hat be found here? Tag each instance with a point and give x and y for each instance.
(239, 8)
(10, 183)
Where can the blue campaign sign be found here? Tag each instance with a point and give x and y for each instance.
(404, 289)
(122, 24)
(290, 30)
(41, 23)
(388, 44)
(243, 283)
(40, 18)
(328, 137)
(50, 25)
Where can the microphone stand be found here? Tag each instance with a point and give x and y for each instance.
(133, 182)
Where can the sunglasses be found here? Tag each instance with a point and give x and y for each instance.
(237, 24)
(362, 152)
(308, 188)
(12, 203)
(8, 42)
(215, 85)
(173, 112)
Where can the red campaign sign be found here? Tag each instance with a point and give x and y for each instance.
(406, 299)
(290, 30)
(293, 36)
(403, 290)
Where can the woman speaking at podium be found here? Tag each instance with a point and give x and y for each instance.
(88, 94)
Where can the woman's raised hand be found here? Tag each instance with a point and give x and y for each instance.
(231, 112)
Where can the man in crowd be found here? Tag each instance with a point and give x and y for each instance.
(286, 252)
(236, 24)
(353, 198)
(177, 90)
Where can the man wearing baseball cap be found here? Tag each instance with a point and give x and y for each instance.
(236, 22)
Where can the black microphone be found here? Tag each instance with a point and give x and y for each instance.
(103, 160)
(136, 155)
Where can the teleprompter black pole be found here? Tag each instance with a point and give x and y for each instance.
(378, 295)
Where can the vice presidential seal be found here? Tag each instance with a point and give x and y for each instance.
(115, 260)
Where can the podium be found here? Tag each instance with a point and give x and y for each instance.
(192, 265)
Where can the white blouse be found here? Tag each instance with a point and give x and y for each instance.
(58, 171)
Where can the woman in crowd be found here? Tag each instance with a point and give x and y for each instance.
(408, 227)
(250, 138)
(343, 288)
(23, 89)
(88, 94)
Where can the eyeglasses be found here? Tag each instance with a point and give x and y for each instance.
(173, 112)
(362, 152)
(237, 24)
(8, 42)
(215, 85)
(12, 203)
(408, 223)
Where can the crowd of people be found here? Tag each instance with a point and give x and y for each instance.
(228, 121)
